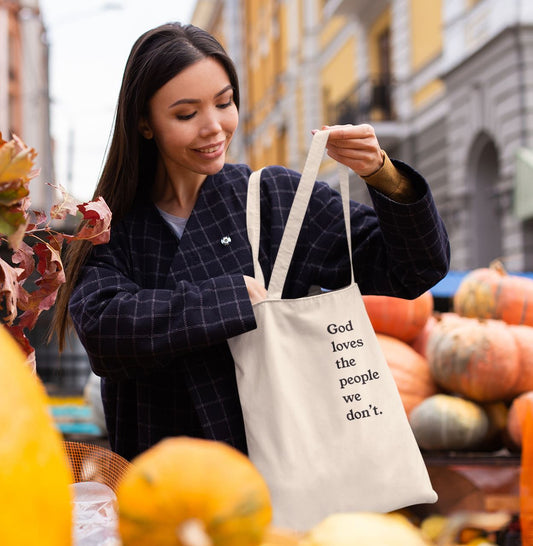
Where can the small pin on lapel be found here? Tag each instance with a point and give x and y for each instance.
(225, 240)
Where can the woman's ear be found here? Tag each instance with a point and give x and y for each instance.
(145, 129)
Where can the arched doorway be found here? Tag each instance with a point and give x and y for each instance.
(485, 225)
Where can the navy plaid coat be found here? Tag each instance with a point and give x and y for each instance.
(154, 312)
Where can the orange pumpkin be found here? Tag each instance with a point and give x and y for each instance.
(490, 292)
(517, 415)
(477, 359)
(497, 413)
(419, 344)
(398, 317)
(185, 491)
(524, 338)
(410, 371)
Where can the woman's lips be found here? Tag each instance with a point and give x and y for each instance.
(213, 150)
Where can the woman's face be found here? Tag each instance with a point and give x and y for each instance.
(192, 119)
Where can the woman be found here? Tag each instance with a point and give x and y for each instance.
(155, 306)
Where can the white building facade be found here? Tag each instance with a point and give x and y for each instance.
(473, 141)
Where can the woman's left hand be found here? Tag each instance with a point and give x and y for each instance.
(355, 146)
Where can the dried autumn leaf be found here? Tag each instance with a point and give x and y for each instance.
(16, 160)
(18, 333)
(43, 260)
(13, 192)
(11, 220)
(50, 267)
(97, 222)
(23, 257)
(9, 291)
(96, 216)
(38, 220)
(67, 205)
(7, 149)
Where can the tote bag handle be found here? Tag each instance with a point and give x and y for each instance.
(296, 215)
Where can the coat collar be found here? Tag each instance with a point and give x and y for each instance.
(215, 241)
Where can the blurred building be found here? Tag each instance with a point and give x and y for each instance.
(24, 96)
(24, 111)
(448, 85)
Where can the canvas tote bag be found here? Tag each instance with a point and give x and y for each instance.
(324, 421)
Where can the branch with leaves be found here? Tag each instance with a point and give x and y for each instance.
(41, 260)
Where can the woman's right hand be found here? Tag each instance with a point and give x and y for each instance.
(256, 290)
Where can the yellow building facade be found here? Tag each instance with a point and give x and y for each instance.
(443, 82)
(307, 63)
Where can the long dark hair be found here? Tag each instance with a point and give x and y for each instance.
(128, 173)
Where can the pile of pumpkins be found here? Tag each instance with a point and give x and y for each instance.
(182, 491)
(465, 376)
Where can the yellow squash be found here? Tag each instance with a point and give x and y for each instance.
(34, 471)
(281, 537)
(364, 529)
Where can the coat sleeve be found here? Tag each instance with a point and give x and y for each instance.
(398, 249)
(128, 330)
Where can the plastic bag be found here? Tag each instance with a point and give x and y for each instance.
(95, 520)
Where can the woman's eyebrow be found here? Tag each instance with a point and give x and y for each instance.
(195, 101)
(227, 88)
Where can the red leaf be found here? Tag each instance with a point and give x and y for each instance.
(50, 267)
(44, 259)
(18, 333)
(38, 221)
(96, 227)
(23, 256)
(9, 291)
